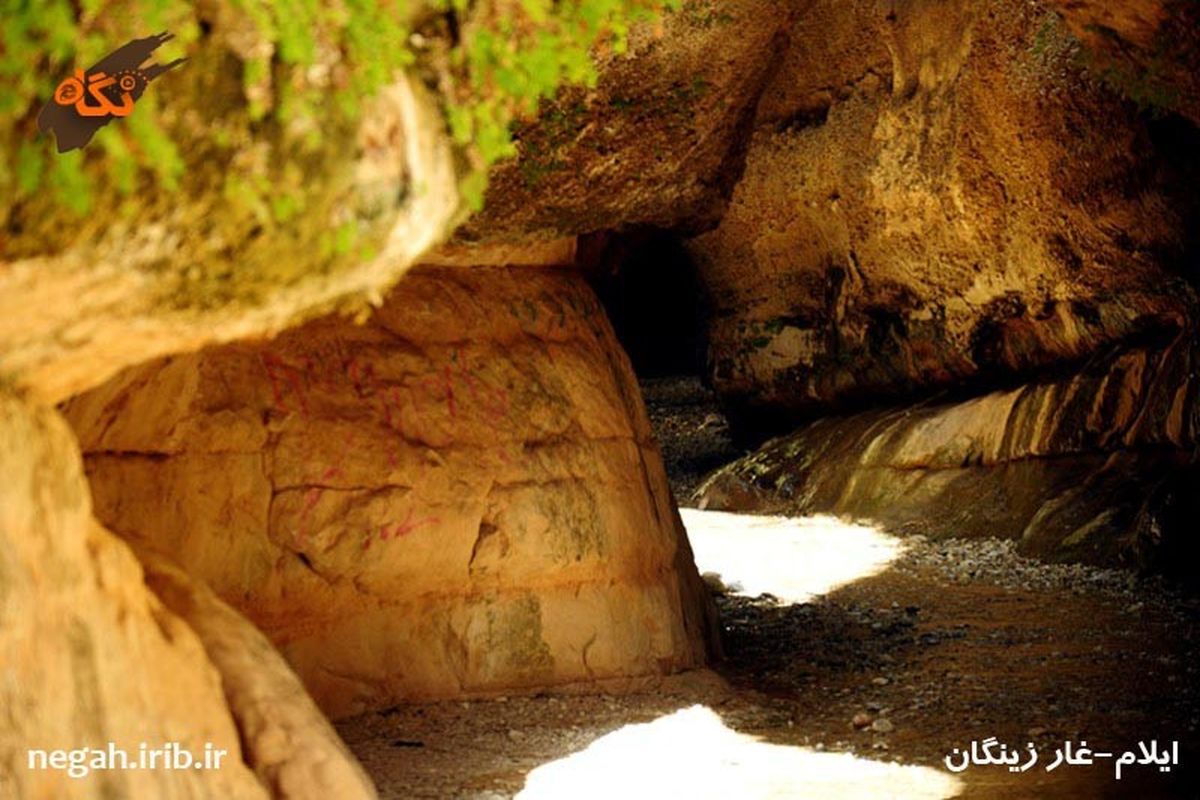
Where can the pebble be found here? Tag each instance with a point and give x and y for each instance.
(861, 720)
(882, 725)
(964, 560)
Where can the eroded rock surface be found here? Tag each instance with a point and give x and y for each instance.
(939, 194)
(1150, 49)
(288, 742)
(460, 497)
(82, 299)
(1094, 467)
(660, 139)
(88, 655)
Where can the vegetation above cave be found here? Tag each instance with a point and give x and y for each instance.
(293, 76)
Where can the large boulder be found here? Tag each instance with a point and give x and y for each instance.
(97, 650)
(939, 194)
(88, 298)
(288, 742)
(460, 497)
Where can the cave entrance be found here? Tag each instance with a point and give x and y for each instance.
(457, 499)
(860, 630)
(655, 301)
(658, 306)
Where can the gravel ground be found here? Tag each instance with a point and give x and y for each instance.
(950, 642)
(691, 430)
(899, 669)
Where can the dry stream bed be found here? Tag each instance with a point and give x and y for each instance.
(854, 679)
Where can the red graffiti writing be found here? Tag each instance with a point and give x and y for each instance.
(460, 388)
(284, 376)
(400, 529)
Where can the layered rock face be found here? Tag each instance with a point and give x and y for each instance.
(1095, 467)
(972, 196)
(459, 497)
(92, 656)
(939, 194)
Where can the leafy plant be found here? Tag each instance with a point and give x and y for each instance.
(514, 55)
(306, 67)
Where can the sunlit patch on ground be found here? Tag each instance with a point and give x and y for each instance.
(793, 558)
(691, 753)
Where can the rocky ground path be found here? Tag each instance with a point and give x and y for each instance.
(859, 689)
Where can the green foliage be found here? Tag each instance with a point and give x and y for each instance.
(372, 36)
(312, 66)
(1047, 35)
(514, 58)
(758, 335)
(44, 41)
(558, 123)
(379, 45)
(69, 182)
(706, 14)
(1144, 85)
(1144, 88)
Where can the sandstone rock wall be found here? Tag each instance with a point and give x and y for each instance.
(1093, 467)
(659, 141)
(288, 742)
(939, 194)
(90, 654)
(461, 496)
